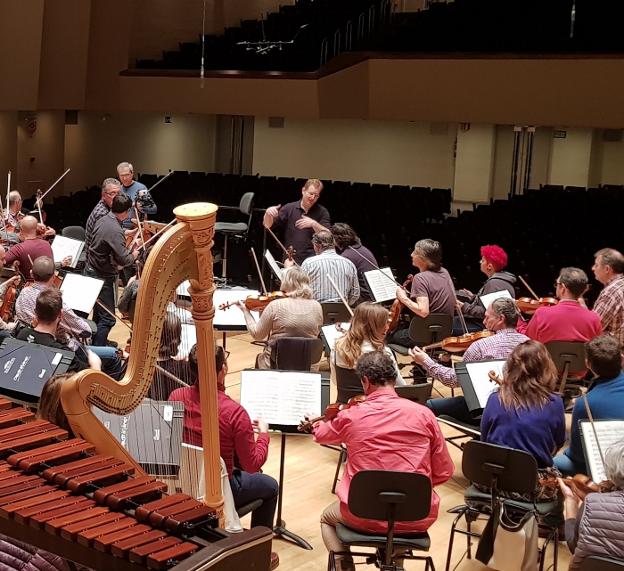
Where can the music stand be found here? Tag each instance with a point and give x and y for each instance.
(279, 529)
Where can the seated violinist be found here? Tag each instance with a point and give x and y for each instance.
(605, 398)
(13, 213)
(595, 526)
(501, 318)
(432, 290)
(295, 315)
(385, 432)
(493, 260)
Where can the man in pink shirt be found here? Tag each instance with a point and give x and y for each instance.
(568, 320)
(386, 432)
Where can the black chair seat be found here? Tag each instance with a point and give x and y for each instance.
(231, 227)
(247, 508)
(349, 536)
(399, 349)
(475, 498)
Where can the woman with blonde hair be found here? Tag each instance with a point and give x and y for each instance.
(367, 333)
(295, 315)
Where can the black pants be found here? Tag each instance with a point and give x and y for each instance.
(103, 320)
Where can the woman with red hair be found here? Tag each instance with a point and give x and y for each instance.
(493, 261)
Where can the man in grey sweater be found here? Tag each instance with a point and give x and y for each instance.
(106, 255)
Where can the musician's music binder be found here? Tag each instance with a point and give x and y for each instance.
(381, 284)
(609, 432)
(63, 247)
(475, 382)
(25, 368)
(81, 292)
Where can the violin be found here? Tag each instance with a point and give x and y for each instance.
(530, 305)
(256, 302)
(331, 412)
(8, 303)
(460, 343)
(397, 307)
(582, 485)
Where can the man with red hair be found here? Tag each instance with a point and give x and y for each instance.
(493, 260)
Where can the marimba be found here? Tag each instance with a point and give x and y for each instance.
(58, 494)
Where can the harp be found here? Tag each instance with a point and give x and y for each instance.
(182, 253)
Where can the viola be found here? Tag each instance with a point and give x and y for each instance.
(256, 302)
(530, 305)
(582, 485)
(8, 303)
(460, 343)
(331, 412)
(397, 308)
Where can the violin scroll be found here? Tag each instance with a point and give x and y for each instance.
(331, 412)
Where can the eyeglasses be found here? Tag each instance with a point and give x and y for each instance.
(558, 283)
(111, 193)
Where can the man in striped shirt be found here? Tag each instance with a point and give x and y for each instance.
(328, 264)
(501, 318)
(609, 270)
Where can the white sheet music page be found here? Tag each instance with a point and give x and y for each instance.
(232, 315)
(488, 298)
(481, 382)
(80, 292)
(331, 333)
(273, 265)
(280, 397)
(63, 247)
(609, 432)
(382, 287)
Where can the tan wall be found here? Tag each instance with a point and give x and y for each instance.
(94, 147)
(474, 165)
(501, 177)
(570, 158)
(370, 151)
(8, 148)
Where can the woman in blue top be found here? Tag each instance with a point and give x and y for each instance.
(525, 414)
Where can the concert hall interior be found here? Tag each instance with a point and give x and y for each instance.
(225, 221)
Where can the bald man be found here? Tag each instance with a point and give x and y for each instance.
(30, 248)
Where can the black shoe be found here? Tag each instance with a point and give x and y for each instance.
(112, 344)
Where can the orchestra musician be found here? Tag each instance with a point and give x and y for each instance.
(568, 320)
(432, 290)
(385, 432)
(72, 328)
(492, 263)
(595, 526)
(608, 269)
(325, 264)
(349, 246)
(366, 333)
(30, 248)
(605, 398)
(13, 213)
(48, 309)
(295, 315)
(111, 187)
(243, 453)
(142, 201)
(525, 413)
(501, 317)
(300, 220)
(107, 253)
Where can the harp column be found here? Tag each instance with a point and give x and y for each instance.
(201, 219)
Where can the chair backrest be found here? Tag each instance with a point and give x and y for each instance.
(246, 203)
(348, 384)
(372, 492)
(512, 470)
(335, 312)
(430, 329)
(596, 563)
(296, 353)
(570, 353)
(75, 232)
(419, 393)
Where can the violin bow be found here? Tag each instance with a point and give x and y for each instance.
(38, 201)
(253, 253)
(59, 179)
(526, 285)
(157, 367)
(333, 283)
(8, 189)
(591, 421)
(159, 181)
(280, 244)
(6, 233)
(375, 266)
(157, 234)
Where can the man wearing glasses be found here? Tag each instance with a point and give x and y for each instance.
(569, 320)
(300, 219)
(137, 192)
(111, 187)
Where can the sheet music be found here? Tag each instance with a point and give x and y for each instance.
(273, 265)
(481, 382)
(80, 292)
(331, 333)
(233, 315)
(609, 432)
(189, 338)
(381, 288)
(182, 289)
(488, 298)
(63, 247)
(280, 397)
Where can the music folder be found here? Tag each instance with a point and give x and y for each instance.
(25, 368)
(475, 382)
(609, 432)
